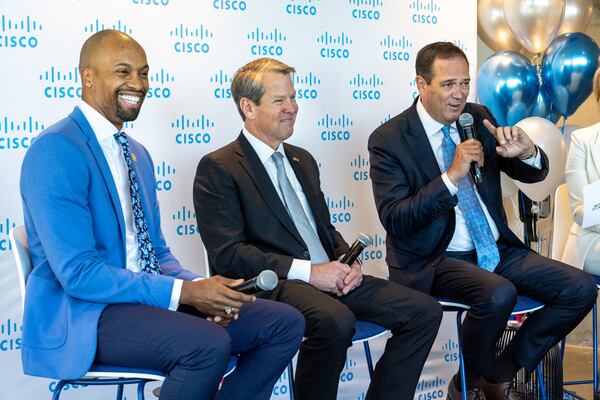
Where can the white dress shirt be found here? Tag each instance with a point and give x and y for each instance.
(104, 131)
(300, 269)
(461, 240)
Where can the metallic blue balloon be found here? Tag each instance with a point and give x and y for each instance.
(544, 108)
(568, 66)
(507, 84)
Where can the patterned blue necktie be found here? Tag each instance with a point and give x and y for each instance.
(479, 228)
(147, 261)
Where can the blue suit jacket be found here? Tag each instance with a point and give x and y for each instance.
(76, 234)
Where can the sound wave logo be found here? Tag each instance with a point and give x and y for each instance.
(360, 168)
(334, 46)
(8, 330)
(428, 384)
(19, 134)
(327, 38)
(366, 87)
(161, 77)
(342, 204)
(420, 5)
(366, 3)
(191, 39)
(450, 345)
(21, 33)
(335, 129)
(395, 49)
(222, 82)
(378, 240)
(164, 172)
(359, 161)
(5, 227)
(386, 119)
(160, 84)
(458, 43)
(266, 43)
(306, 86)
(340, 122)
(61, 84)
(193, 130)
(96, 26)
(187, 222)
(309, 80)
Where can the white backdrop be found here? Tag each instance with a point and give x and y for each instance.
(355, 69)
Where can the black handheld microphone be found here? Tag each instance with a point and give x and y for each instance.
(266, 280)
(466, 121)
(363, 240)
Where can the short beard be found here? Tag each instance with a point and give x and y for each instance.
(127, 115)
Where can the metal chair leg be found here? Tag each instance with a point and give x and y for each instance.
(140, 389)
(463, 375)
(290, 371)
(368, 357)
(120, 391)
(58, 389)
(541, 382)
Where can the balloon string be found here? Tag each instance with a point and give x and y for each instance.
(562, 129)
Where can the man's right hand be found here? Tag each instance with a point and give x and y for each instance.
(466, 152)
(329, 277)
(212, 295)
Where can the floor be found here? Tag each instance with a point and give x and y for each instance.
(578, 366)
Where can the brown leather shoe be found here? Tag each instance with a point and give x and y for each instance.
(455, 394)
(500, 391)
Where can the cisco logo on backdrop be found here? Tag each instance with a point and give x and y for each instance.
(347, 374)
(431, 389)
(424, 12)
(340, 210)
(266, 43)
(376, 251)
(18, 134)
(160, 82)
(412, 84)
(335, 129)
(385, 119)
(191, 39)
(282, 386)
(366, 10)
(164, 174)
(459, 43)
(61, 84)
(8, 336)
(5, 227)
(334, 46)
(302, 7)
(306, 86)
(193, 130)
(396, 49)
(163, 3)
(230, 5)
(186, 222)
(96, 26)
(21, 33)
(450, 350)
(222, 85)
(366, 87)
(360, 168)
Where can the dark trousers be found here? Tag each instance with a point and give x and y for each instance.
(567, 293)
(194, 352)
(412, 317)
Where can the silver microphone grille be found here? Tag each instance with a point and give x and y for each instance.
(267, 280)
(365, 239)
(465, 119)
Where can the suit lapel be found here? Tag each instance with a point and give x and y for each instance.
(98, 154)
(419, 145)
(251, 163)
(595, 150)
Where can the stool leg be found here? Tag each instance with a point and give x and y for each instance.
(541, 382)
(120, 392)
(369, 359)
(58, 389)
(140, 389)
(290, 371)
(463, 376)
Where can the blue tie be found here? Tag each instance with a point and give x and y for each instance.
(147, 261)
(479, 228)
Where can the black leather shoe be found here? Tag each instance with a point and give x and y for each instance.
(455, 394)
(501, 391)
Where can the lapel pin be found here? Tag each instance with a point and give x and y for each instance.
(296, 159)
(133, 157)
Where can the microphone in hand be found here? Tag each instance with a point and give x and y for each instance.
(266, 280)
(363, 240)
(466, 122)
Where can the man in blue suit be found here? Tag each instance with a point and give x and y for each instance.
(105, 287)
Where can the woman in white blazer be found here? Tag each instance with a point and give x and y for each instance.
(582, 249)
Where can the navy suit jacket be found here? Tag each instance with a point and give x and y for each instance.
(76, 235)
(242, 220)
(413, 203)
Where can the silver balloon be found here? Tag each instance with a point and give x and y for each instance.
(535, 23)
(578, 15)
(492, 27)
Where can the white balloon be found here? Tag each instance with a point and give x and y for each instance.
(535, 23)
(578, 15)
(549, 138)
(508, 185)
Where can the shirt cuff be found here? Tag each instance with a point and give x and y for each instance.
(300, 269)
(175, 294)
(536, 161)
(451, 188)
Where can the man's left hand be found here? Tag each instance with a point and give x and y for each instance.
(353, 279)
(513, 141)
